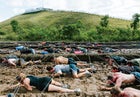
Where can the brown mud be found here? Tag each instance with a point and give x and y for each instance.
(89, 86)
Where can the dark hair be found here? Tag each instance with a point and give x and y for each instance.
(51, 58)
(18, 78)
(114, 91)
(129, 63)
(109, 77)
(49, 68)
(10, 95)
(114, 67)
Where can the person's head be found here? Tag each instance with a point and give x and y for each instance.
(115, 92)
(4, 60)
(10, 95)
(50, 69)
(129, 63)
(21, 77)
(110, 80)
(115, 69)
(52, 58)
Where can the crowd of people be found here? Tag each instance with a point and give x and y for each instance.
(123, 72)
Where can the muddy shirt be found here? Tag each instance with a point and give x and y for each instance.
(40, 83)
(62, 69)
(119, 60)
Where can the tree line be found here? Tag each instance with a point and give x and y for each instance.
(77, 32)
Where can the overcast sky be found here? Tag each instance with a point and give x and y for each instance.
(115, 8)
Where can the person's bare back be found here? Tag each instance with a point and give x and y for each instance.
(130, 92)
(126, 78)
(61, 60)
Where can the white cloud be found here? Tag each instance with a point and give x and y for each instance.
(32, 3)
(115, 8)
(18, 10)
(15, 3)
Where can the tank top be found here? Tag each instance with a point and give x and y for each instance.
(39, 82)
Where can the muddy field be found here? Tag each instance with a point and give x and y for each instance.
(89, 86)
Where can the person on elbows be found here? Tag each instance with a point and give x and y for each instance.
(42, 83)
(18, 61)
(117, 60)
(126, 92)
(118, 78)
(59, 70)
(64, 60)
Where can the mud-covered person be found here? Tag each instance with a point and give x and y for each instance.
(126, 69)
(13, 60)
(44, 84)
(118, 78)
(69, 69)
(115, 60)
(126, 92)
(64, 60)
(25, 50)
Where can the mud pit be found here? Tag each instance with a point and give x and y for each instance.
(89, 86)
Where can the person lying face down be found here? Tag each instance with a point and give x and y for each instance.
(118, 78)
(15, 61)
(118, 60)
(42, 83)
(64, 60)
(126, 69)
(126, 92)
(59, 70)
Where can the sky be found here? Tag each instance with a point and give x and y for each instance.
(123, 9)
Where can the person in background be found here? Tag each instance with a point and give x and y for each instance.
(13, 60)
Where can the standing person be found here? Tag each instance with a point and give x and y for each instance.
(126, 92)
(42, 84)
(59, 70)
(64, 60)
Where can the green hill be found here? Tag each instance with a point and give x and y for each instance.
(48, 20)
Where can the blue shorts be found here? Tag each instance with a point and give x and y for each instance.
(137, 76)
(73, 68)
(71, 61)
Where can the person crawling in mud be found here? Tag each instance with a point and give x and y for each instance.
(126, 92)
(117, 60)
(44, 84)
(13, 60)
(25, 50)
(72, 69)
(134, 62)
(126, 69)
(64, 60)
(118, 78)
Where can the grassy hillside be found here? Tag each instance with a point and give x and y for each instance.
(47, 19)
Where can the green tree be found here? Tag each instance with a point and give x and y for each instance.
(71, 29)
(135, 24)
(104, 21)
(14, 25)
